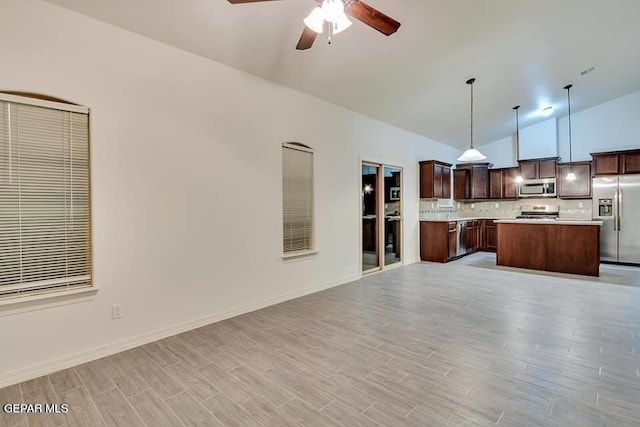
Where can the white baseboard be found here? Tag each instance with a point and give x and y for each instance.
(35, 371)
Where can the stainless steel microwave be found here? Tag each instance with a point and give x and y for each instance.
(538, 188)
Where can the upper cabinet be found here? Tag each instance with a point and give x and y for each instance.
(471, 181)
(580, 188)
(502, 183)
(616, 162)
(435, 180)
(538, 168)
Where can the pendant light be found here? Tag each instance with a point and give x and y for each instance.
(570, 176)
(519, 178)
(471, 155)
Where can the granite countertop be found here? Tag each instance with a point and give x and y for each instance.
(471, 218)
(559, 221)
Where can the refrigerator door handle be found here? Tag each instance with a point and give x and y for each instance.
(619, 209)
(615, 211)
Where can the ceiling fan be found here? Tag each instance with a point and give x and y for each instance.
(334, 13)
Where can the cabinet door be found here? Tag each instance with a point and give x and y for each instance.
(426, 180)
(480, 182)
(510, 185)
(496, 178)
(492, 236)
(529, 170)
(547, 168)
(580, 187)
(437, 181)
(453, 245)
(630, 162)
(446, 182)
(461, 184)
(606, 164)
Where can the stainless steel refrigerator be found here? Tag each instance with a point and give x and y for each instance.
(616, 202)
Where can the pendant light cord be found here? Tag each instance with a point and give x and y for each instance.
(568, 88)
(517, 108)
(470, 82)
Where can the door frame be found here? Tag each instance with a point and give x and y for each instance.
(380, 208)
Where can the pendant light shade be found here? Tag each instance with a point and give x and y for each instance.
(519, 178)
(570, 176)
(471, 155)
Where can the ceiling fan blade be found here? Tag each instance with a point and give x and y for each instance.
(246, 1)
(373, 18)
(306, 39)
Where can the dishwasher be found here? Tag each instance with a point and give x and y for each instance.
(461, 239)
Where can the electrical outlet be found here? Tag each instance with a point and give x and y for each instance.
(473, 205)
(497, 205)
(116, 311)
(580, 205)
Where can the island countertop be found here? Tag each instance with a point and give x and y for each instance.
(549, 221)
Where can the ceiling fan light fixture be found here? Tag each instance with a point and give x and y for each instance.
(332, 10)
(315, 20)
(342, 24)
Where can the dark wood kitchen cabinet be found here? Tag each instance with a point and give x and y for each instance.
(438, 240)
(580, 188)
(502, 183)
(538, 168)
(510, 184)
(473, 235)
(496, 184)
(453, 239)
(489, 235)
(461, 184)
(473, 183)
(435, 180)
(616, 162)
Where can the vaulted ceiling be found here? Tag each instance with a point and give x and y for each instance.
(521, 52)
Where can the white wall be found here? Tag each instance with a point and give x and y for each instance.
(539, 140)
(610, 126)
(186, 185)
(613, 125)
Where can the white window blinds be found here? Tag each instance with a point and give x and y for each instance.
(44, 198)
(297, 190)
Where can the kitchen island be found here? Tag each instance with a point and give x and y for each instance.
(563, 246)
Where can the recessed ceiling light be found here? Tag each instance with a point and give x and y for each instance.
(546, 111)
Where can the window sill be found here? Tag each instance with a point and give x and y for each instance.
(299, 254)
(39, 302)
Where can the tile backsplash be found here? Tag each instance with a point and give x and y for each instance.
(434, 209)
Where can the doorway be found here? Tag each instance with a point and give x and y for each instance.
(381, 226)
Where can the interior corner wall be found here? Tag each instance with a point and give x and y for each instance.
(186, 185)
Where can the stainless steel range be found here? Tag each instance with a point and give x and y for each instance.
(538, 212)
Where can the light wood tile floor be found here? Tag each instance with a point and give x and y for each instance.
(423, 345)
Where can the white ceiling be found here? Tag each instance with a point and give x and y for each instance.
(521, 52)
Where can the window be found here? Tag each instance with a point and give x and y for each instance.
(297, 199)
(44, 197)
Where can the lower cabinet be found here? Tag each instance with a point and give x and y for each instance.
(490, 233)
(474, 229)
(439, 240)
